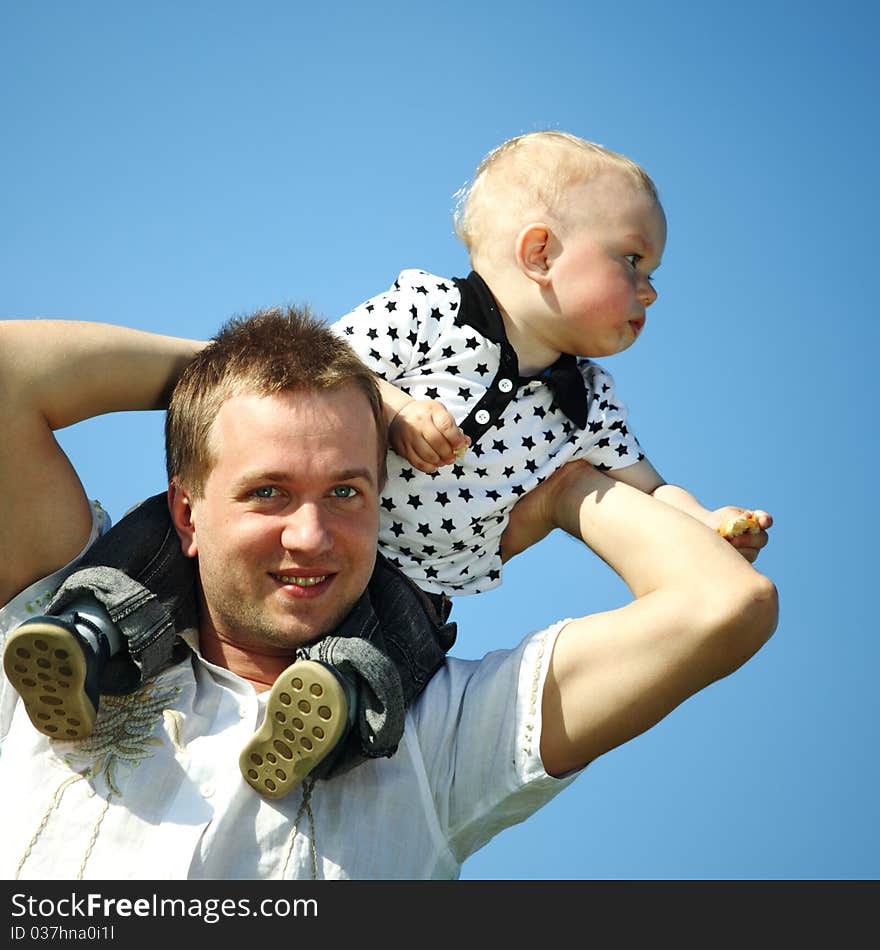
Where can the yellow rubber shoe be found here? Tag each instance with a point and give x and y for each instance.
(307, 713)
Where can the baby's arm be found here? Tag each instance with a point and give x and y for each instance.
(645, 477)
(421, 430)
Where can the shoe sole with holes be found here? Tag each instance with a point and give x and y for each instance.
(306, 714)
(47, 667)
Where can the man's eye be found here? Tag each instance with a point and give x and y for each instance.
(265, 491)
(344, 491)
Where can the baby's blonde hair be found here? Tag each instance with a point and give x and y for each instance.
(530, 174)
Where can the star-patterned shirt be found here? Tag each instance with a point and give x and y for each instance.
(444, 339)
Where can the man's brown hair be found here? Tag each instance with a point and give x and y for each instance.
(271, 351)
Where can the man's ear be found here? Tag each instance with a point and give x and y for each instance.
(181, 509)
(532, 252)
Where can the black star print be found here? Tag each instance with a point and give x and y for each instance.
(431, 572)
(407, 474)
(435, 313)
(452, 370)
(477, 450)
(388, 504)
(548, 435)
(442, 498)
(459, 546)
(603, 443)
(412, 337)
(443, 287)
(532, 466)
(397, 529)
(391, 305)
(349, 330)
(372, 333)
(457, 471)
(494, 495)
(482, 369)
(447, 352)
(473, 343)
(424, 529)
(494, 575)
(508, 471)
(464, 494)
(518, 490)
(396, 360)
(621, 450)
(432, 393)
(540, 412)
(481, 473)
(447, 524)
(407, 552)
(595, 427)
(421, 290)
(392, 333)
(528, 442)
(464, 392)
(414, 312)
(429, 550)
(499, 446)
(424, 347)
(414, 501)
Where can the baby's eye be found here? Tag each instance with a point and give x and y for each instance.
(344, 491)
(633, 259)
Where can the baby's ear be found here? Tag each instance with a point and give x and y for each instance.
(532, 250)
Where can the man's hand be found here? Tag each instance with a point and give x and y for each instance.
(538, 512)
(748, 543)
(424, 432)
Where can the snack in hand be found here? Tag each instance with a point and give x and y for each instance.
(745, 523)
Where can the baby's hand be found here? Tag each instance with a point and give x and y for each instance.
(426, 435)
(744, 528)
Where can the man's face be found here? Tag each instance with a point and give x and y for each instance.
(600, 277)
(286, 528)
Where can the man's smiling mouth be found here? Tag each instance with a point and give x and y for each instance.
(300, 581)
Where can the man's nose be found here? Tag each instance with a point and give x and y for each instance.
(306, 529)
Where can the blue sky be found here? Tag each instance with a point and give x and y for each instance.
(165, 166)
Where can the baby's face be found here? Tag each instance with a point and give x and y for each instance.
(600, 266)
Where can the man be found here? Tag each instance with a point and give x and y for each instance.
(275, 493)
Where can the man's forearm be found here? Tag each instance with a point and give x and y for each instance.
(87, 369)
